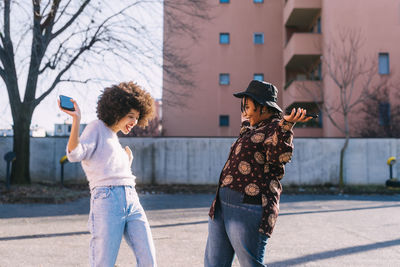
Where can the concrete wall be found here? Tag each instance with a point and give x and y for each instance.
(200, 160)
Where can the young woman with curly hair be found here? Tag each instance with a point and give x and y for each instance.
(115, 209)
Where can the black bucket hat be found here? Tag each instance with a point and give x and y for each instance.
(266, 94)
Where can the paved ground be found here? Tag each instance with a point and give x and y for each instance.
(311, 231)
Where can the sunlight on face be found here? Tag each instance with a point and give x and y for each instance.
(126, 124)
(251, 113)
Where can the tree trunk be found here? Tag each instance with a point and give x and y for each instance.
(343, 150)
(342, 153)
(21, 147)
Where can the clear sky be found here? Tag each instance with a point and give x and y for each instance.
(111, 71)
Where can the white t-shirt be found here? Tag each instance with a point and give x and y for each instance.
(104, 160)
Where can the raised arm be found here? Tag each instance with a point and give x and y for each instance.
(73, 140)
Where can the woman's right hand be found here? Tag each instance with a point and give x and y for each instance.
(73, 140)
(75, 114)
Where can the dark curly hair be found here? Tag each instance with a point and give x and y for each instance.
(116, 101)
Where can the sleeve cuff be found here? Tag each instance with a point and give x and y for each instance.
(286, 125)
(76, 154)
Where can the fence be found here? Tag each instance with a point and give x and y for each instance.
(200, 160)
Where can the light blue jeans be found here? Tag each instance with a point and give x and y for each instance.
(116, 211)
(234, 229)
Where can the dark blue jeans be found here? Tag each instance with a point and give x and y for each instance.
(234, 229)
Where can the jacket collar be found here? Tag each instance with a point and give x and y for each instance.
(247, 127)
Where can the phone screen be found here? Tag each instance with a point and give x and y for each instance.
(65, 103)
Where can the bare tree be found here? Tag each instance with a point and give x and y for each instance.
(67, 35)
(180, 75)
(381, 112)
(353, 78)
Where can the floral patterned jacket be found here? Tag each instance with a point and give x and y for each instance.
(256, 164)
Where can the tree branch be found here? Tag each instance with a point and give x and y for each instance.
(71, 20)
(62, 11)
(52, 14)
(48, 24)
(68, 66)
(2, 73)
(9, 74)
(75, 81)
(7, 35)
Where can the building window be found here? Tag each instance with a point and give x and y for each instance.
(258, 38)
(384, 114)
(319, 25)
(224, 1)
(224, 79)
(384, 63)
(316, 74)
(258, 76)
(319, 72)
(224, 38)
(223, 120)
(258, 1)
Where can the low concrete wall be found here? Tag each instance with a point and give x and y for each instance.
(200, 160)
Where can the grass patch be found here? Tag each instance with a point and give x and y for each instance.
(335, 190)
(42, 193)
(55, 193)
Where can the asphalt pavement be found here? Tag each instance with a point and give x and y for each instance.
(312, 230)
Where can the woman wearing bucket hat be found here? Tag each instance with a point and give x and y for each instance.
(245, 209)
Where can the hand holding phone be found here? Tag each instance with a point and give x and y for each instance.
(69, 106)
(314, 116)
(66, 103)
(298, 115)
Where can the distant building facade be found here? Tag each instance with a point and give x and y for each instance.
(64, 129)
(6, 132)
(278, 41)
(34, 132)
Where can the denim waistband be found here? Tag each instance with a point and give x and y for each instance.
(113, 187)
(234, 197)
(230, 196)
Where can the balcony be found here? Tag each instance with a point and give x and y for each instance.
(302, 50)
(301, 13)
(302, 91)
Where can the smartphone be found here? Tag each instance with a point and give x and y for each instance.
(65, 103)
(307, 115)
(312, 115)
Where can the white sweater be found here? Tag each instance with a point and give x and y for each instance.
(104, 160)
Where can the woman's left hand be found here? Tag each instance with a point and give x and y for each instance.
(129, 152)
(298, 115)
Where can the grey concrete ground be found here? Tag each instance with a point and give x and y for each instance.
(311, 231)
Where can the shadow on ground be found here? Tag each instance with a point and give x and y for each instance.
(335, 253)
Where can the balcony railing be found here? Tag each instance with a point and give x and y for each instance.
(302, 91)
(302, 50)
(301, 13)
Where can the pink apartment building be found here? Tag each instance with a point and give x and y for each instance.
(282, 42)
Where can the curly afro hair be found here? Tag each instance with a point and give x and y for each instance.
(116, 101)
